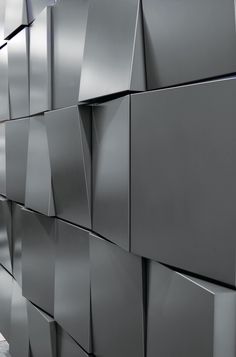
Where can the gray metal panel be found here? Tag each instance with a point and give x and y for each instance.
(72, 295)
(19, 340)
(183, 177)
(35, 7)
(38, 195)
(5, 234)
(16, 158)
(5, 303)
(38, 259)
(108, 67)
(4, 90)
(66, 346)
(117, 300)
(110, 137)
(2, 159)
(42, 332)
(69, 27)
(15, 17)
(69, 140)
(2, 20)
(187, 40)
(17, 236)
(19, 74)
(40, 63)
(178, 327)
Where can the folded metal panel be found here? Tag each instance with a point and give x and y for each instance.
(2, 159)
(5, 303)
(17, 236)
(66, 346)
(15, 17)
(35, 7)
(5, 234)
(4, 89)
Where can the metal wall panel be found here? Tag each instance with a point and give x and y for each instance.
(2, 159)
(16, 158)
(5, 303)
(4, 90)
(40, 63)
(17, 236)
(38, 253)
(110, 136)
(117, 300)
(72, 296)
(5, 234)
(69, 140)
(15, 17)
(183, 177)
(188, 40)
(66, 346)
(109, 68)
(35, 7)
(19, 74)
(2, 20)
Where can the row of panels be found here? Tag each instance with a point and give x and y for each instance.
(152, 172)
(67, 55)
(111, 302)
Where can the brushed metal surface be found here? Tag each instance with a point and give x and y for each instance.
(110, 143)
(69, 27)
(183, 176)
(69, 140)
(72, 295)
(38, 195)
(2, 159)
(2, 19)
(5, 303)
(114, 34)
(19, 338)
(187, 316)
(17, 132)
(5, 234)
(188, 40)
(35, 7)
(17, 236)
(38, 259)
(42, 332)
(66, 346)
(18, 75)
(117, 300)
(40, 63)
(4, 89)
(15, 17)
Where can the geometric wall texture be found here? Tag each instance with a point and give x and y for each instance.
(118, 178)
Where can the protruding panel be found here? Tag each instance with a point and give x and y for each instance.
(42, 331)
(39, 195)
(72, 296)
(69, 140)
(17, 236)
(5, 302)
(69, 27)
(188, 40)
(35, 7)
(40, 63)
(178, 327)
(2, 159)
(19, 337)
(66, 346)
(15, 17)
(117, 300)
(108, 68)
(16, 158)
(18, 74)
(183, 177)
(110, 137)
(5, 234)
(2, 20)
(4, 90)
(38, 259)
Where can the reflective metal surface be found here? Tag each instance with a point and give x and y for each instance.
(178, 327)
(2, 159)
(38, 196)
(5, 234)
(107, 67)
(16, 158)
(117, 300)
(40, 63)
(188, 40)
(66, 346)
(2, 19)
(15, 16)
(110, 135)
(18, 74)
(5, 302)
(35, 7)
(69, 140)
(38, 251)
(17, 236)
(72, 296)
(69, 26)
(183, 176)
(4, 90)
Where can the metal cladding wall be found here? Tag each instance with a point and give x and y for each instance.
(118, 178)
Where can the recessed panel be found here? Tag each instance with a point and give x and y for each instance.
(5, 303)
(5, 234)
(2, 159)
(15, 17)
(4, 90)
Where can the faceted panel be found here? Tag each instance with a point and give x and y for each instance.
(117, 301)
(5, 234)
(183, 176)
(2, 20)
(72, 295)
(40, 63)
(5, 302)
(4, 90)
(187, 316)
(109, 68)
(35, 7)
(38, 259)
(69, 140)
(17, 236)
(16, 158)
(15, 17)
(39, 196)
(66, 346)
(2, 159)
(18, 74)
(69, 27)
(188, 40)
(110, 136)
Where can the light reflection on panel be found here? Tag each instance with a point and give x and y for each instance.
(35, 7)
(2, 160)
(4, 90)
(15, 16)
(2, 19)
(17, 236)
(5, 234)
(5, 303)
